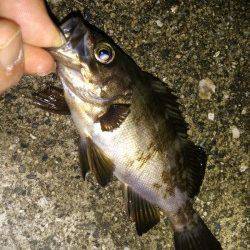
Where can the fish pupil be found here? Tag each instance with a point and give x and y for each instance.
(104, 55)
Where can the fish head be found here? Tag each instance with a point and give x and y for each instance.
(92, 65)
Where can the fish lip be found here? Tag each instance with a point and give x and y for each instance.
(60, 53)
(63, 59)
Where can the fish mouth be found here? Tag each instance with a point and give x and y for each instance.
(66, 56)
(74, 52)
(64, 60)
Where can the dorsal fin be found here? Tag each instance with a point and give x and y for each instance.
(144, 214)
(193, 157)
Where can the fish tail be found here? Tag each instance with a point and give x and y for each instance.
(196, 237)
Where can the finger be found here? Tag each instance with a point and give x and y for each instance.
(37, 27)
(11, 54)
(38, 61)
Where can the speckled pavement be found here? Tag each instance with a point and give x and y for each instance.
(45, 204)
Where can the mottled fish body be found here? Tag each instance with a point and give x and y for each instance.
(131, 127)
(143, 164)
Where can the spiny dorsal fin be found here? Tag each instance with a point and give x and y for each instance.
(193, 157)
(144, 214)
(114, 117)
(83, 158)
(99, 163)
(168, 103)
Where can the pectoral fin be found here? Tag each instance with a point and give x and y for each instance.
(52, 99)
(114, 117)
(99, 163)
(144, 214)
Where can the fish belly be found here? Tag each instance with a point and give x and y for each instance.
(139, 165)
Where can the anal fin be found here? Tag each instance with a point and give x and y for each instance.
(144, 214)
(99, 163)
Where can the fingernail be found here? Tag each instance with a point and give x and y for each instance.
(11, 51)
(60, 39)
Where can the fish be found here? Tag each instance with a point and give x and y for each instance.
(130, 127)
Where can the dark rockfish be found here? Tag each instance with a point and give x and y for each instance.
(131, 127)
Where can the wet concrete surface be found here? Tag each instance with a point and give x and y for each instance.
(44, 202)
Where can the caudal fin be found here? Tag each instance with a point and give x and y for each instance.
(196, 238)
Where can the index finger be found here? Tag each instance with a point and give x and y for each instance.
(36, 26)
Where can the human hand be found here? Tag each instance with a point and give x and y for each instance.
(25, 29)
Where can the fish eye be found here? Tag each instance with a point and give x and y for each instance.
(104, 53)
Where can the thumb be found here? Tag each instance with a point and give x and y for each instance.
(11, 54)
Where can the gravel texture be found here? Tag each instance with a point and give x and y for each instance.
(45, 204)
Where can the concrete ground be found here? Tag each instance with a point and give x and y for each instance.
(45, 204)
